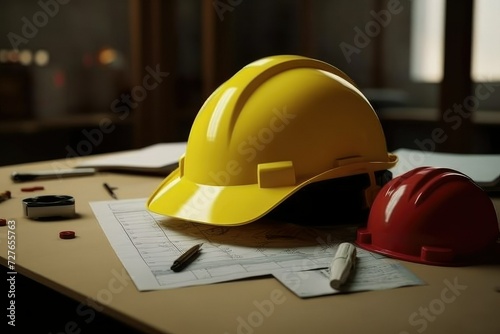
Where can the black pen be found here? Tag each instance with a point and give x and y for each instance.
(110, 190)
(186, 258)
(51, 174)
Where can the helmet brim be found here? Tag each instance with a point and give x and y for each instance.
(179, 197)
(217, 205)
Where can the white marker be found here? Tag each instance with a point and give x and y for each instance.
(342, 264)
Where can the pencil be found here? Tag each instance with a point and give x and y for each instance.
(110, 190)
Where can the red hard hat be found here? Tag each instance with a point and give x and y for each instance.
(431, 215)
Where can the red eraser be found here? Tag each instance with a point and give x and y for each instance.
(66, 234)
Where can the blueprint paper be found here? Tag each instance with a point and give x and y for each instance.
(147, 244)
(372, 272)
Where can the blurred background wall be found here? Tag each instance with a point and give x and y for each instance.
(83, 77)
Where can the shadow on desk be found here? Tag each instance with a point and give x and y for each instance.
(59, 313)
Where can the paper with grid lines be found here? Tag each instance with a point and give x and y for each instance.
(147, 244)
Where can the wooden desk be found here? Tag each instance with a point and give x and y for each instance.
(455, 300)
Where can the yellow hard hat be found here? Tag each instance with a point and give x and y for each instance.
(277, 125)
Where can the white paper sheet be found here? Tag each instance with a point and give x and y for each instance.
(372, 272)
(155, 158)
(484, 169)
(147, 244)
